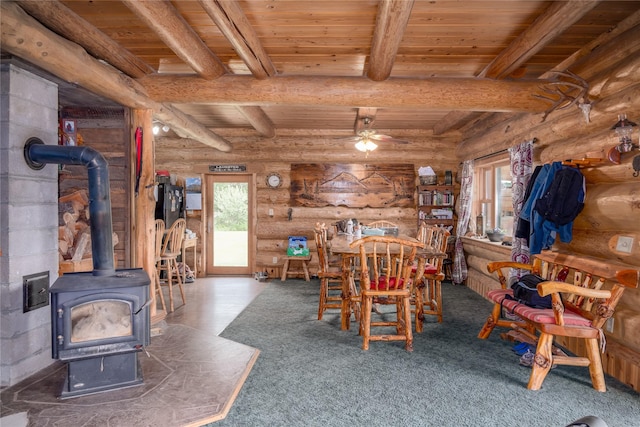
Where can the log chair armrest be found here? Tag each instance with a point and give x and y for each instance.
(495, 265)
(546, 288)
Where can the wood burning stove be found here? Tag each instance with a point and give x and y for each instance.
(100, 320)
(98, 326)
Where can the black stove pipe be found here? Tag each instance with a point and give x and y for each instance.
(37, 154)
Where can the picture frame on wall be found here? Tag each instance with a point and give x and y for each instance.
(68, 134)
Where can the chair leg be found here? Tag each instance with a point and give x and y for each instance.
(595, 365)
(324, 285)
(169, 266)
(158, 290)
(365, 321)
(542, 361)
(406, 309)
(419, 304)
(437, 284)
(491, 322)
(179, 280)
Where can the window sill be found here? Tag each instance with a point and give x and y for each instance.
(496, 246)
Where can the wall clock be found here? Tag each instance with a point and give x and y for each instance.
(274, 180)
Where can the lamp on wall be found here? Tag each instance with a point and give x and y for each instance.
(157, 126)
(624, 130)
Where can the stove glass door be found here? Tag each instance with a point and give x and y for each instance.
(101, 319)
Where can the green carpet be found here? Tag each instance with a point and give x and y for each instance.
(310, 373)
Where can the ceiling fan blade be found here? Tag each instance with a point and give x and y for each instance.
(387, 138)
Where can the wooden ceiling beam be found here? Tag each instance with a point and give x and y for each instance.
(259, 120)
(26, 38)
(171, 27)
(59, 18)
(163, 18)
(555, 20)
(436, 93)
(235, 26)
(391, 23)
(559, 16)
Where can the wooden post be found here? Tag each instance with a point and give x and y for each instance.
(143, 204)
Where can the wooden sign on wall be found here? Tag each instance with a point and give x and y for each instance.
(352, 185)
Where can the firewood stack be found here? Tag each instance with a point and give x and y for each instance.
(74, 233)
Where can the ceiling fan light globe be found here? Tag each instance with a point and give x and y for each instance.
(370, 145)
(361, 146)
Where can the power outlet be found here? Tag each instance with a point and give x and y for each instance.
(625, 244)
(275, 260)
(608, 326)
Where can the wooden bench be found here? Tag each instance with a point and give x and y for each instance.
(584, 291)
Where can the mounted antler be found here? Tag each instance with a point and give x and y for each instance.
(563, 94)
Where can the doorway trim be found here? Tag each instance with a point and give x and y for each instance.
(209, 181)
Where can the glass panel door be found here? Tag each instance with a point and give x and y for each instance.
(229, 224)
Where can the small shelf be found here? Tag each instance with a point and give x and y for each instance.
(432, 198)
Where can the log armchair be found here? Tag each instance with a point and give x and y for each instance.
(584, 291)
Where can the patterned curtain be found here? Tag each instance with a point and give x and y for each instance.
(521, 169)
(464, 214)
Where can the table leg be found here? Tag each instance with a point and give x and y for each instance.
(345, 313)
(285, 268)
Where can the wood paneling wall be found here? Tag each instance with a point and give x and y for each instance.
(107, 131)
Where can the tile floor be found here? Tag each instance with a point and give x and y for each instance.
(191, 376)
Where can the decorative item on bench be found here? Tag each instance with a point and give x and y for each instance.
(525, 291)
(297, 246)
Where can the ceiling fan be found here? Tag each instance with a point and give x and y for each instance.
(365, 139)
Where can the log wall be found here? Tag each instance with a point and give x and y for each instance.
(262, 156)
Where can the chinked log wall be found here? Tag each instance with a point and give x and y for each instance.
(261, 156)
(612, 205)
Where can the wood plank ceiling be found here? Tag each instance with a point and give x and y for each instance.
(268, 65)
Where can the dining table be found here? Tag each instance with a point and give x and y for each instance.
(340, 244)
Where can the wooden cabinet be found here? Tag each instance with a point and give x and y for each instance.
(435, 204)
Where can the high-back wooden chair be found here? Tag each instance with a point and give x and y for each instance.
(382, 224)
(330, 276)
(171, 248)
(160, 228)
(428, 289)
(386, 277)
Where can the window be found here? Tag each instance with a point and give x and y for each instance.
(492, 194)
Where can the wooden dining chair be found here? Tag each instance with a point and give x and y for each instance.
(330, 275)
(386, 278)
(160, 228)
(428, 289)
(382, 224)
(171, 248)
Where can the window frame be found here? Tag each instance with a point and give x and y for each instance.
(486, 194)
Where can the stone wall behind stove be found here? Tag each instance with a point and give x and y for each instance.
(28, 220)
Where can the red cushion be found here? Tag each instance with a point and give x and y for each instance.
(428, 269)
(539, 315)
(382, 286)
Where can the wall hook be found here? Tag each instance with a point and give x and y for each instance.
(636, 166)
